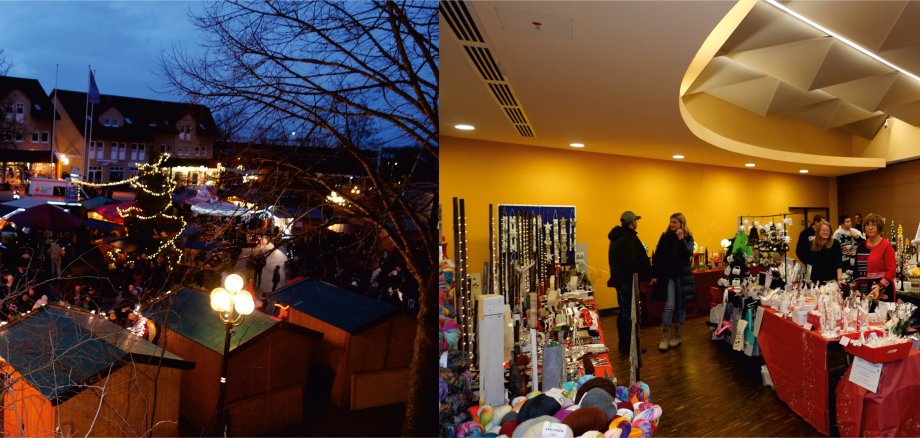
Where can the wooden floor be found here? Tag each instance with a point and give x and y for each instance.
(705, 388)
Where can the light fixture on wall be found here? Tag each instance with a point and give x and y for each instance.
(803, 171)
(886, 122)
(677, 157)
(749, 164)
(463, 127)
(577, 145)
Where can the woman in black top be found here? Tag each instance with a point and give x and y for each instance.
(825, 256)
(673, 277)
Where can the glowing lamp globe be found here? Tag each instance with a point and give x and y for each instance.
(220, 300)
(244, 303)
(233, 283)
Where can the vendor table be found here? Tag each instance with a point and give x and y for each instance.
(797, 361)
(605, 370)
(891, 411)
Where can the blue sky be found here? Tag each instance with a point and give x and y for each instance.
(121, 40)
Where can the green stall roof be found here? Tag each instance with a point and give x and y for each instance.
(342, 308)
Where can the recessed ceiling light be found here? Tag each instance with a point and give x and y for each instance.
(677, 157)
(465, 127)
(749, 164)
(803, 171)
(577, 145)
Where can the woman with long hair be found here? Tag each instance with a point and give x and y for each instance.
(825, 256)
(673, 277)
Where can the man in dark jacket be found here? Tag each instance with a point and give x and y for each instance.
(802, 247)
(626, 257)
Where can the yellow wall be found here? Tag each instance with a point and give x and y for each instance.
(601, 186)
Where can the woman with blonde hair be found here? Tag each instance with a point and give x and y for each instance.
(825, 256)
(673, 277)
(875, 261)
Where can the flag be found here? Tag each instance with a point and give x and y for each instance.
(93, 95)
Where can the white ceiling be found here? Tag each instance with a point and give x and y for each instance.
(608, 74)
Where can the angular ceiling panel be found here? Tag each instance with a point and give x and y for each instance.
(904, 32)
(866, 128)
(865, 22)
(908, 58)
(901, 92)
(797, 63)
(866, 93)
(722, 71)
(847, 113)
(819, 114)
(754, 95)
(844, 64)
(765, 26)
(788, 97)
(909, 113)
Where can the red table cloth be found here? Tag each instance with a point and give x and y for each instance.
(892, 411)
(797, 361)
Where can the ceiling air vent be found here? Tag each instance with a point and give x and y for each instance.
(457, 15)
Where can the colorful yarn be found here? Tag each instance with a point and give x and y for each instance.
(626, 413)
(614, 432)
(636, 433)
(622, 393)
(485, 414)
(592, 434)
(470, 428)
(565, 411)
(442, 389)
(586, 419)
(585, 378)
(474, 412)
(533, 394)
(616, 421)
(499, 412)
(639, 391)
(570, 389)
(644, 425)
(449, 333)
(518, 402)
(539, 406)
(508, 428)
(626, 426)
(597, 382)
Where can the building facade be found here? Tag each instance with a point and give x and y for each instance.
(25, 130)
(110, 139)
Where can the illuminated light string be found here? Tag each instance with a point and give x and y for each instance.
(134, 181)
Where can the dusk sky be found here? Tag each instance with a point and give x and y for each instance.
(121, 40)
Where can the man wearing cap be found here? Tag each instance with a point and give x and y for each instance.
(626, 256)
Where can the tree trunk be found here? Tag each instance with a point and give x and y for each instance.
(422, 404)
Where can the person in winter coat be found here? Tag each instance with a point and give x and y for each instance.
(849, 238)
(673, 278)
(826, 257)
(626, 257)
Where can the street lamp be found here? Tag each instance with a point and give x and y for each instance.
(232, 304)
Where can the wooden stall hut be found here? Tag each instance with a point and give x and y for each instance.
(267, 369)
(69, 373)
(367, 343)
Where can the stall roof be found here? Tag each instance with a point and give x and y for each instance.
(60, 350)
(347, 310)
(97, 201)
(189, 314)
(100, 225)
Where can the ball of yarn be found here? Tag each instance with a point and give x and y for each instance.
(625, 405)
(474, 412)
(508, 428)
(598, 398)
(490, 435)
(586, 419)
(626, 426)
(499, 412)
(616, 421)
(485, 416)
(636, 433)
(642, 406)
(626, 413)
(469, 428)
(443, 390)
(613, 433)
(510, 416)
(644, 425)
(570, 388)
(592, 434)
(533, 394)
(534, 427)
(518, 402)
(565, 411)
(538, 406)
(585, 378)
(622, 393)
(597, 382)
(449, 334)
(641, 391)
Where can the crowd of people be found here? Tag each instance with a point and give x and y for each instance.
(856, 255)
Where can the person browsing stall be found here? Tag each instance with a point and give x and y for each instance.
(825, 256)
(626, 256)
(805, 237)
(672, 279)
(875, 261)
(849, 238)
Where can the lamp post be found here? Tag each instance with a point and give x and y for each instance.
(232, 304)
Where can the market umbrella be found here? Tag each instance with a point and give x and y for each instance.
(46, 217)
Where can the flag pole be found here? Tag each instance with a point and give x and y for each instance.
(85, 132)
(54, 120)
